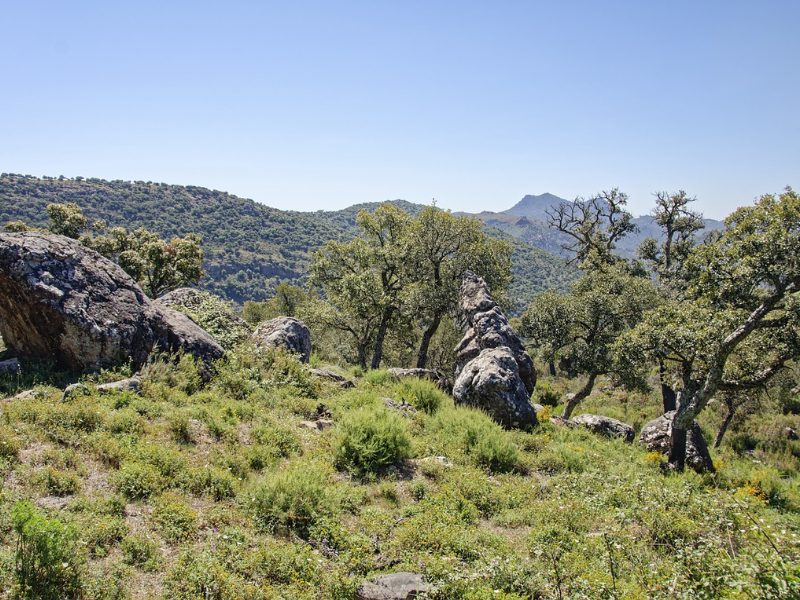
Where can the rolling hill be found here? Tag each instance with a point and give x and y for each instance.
(249, 247)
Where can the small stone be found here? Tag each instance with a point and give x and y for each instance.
(605, 426)
(74, 389)
(131, 384)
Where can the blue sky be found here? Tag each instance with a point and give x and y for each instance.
(319, 105)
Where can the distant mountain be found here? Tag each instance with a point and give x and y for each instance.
(527, 221)
(249, 247)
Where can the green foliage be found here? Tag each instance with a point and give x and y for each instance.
(293, 499)
(66, 219)
(48, 562)
(421, 394)
(141, 551)
(546, 394)
(370, 439)
(216, 316)
(473, 432)
(174, 518)
(285, 303)
(137, 480)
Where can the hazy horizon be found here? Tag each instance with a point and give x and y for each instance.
(318, 107)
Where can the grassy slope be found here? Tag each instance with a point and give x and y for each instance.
(249, 247)
(178, 473)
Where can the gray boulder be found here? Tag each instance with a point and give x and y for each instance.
(656, 435)
(132, 384)
(605, 426)
(64, 302)
(493, 370)
(491, 381)
(396, 586)
(9, 367)
(487, 327)
(342, 381)
(437, 377)
(285, 332)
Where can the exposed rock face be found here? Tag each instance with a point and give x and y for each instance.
(131, 384)
(655, 435)
(491, 381)
(487, 327)
(63, 302)
(211, 313)
(605, 426)
(396, 586)
(437, 377)
(493, 370)
(285, 332)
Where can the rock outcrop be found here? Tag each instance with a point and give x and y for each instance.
(64, 302)
(285, 332)
(493, 370)
(656, 434)
(214, 315)
(605, 426)
(395, 586)
(334, 377)
(437, 377)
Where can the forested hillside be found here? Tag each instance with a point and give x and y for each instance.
(249, 247)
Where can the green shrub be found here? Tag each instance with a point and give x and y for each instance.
(370, 439)
(282, 438)
(292, 499)
(137, 480)
(473, 432)
(173, 372)
(211, 481)
(180, 428)
(101, 533)
(175, 519)
(377, 377)
(545, 394)
(9, 444)
(60, 483)
(141, 551)
(421, 394)
(48, 563)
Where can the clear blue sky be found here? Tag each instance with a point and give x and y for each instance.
(319, 105)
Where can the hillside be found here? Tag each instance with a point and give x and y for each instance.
(249, 247)
(527, 221)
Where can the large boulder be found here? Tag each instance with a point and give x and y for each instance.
(211, 313)
(487, 327)
(493, 370)
(491, 381)
(64, 302)
(285, 332)
(656, 436)
(605, 426)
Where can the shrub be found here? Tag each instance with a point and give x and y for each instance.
(211, 481)
(377, 377)
(60, 483)
(545, 394)
(370, 439)
(141, 551)
(102, 532)
(136, 480)
(180, 428)
(292, 499)
(176, 520)
(9, 444)
(48, 564)
(474, 433)
(421, 394)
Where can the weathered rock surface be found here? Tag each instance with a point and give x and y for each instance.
(493, 370)
(285, 332)
(605, 426)
(655, 435)
(487, 327)
(437, 377)
(9, 367)
(396, 586)
(132, 384)
(64, 302)
(491, 381)
(211, 313)
(343, 382)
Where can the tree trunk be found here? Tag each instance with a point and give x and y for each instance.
(427, 335)
(724, 426)
(677, 448)
(579, 396)
(668, 396)
(361, 347)
(377, 354)
(551, 364)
